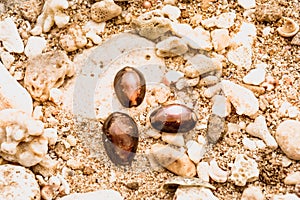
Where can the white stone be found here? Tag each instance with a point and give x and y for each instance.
(47, 18)
(198, 38)
(255, 76)
(94, 37)
(288, 138)
(241, 57)
(221, 106)
(247, 4)
(293, 178)
(172, 76)
(288, 110)
(249, 144)
(194, 193)
(244, 170)
(10, 36)
(225, 20)
(173, 12)
(170, 47)
(259, 129)
(174, 139)
(12, 94)
(7, 59)
(51, 135)
(241, 98)
(35, 46)
(56, 96)
(95, 27)
(213, 90)
(203, 171)
(220, 39)
(216, 173)
(266, 31)
(18, 183)
(181, 30)
(285, 197)
(38, 113)
(252, 193)
(195, 150)
(99, 195)
(246, 35)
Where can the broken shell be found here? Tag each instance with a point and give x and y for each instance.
(130, 87)
(289, 28)
(120, 138)
(173, 183)
(173, 118)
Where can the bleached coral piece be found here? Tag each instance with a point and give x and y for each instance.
(244, 170)
(40, 80)
(22, 138)
(51, 14)
(259, 129)
(10, 36)
(75, 39)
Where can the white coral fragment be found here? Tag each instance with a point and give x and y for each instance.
(259, 129)
(22, 138)
(51, 14)
(10, 37)
(244, 170)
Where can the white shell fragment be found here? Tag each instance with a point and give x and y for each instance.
(22, 138)
(12, 94)
(203, 171)
(10, 37)
(35, 46)
(259, 129)
(241, 98)
(287, 136)
(181, 182)
(17, 182)
(51, 14)
(172, 12)
(289, 28)
(244, 170)
(241, 57)
(195, 150)
(220, 39)
(216, 173)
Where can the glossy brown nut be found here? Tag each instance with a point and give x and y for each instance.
(120, 138)
(173, 118)
(130, 87)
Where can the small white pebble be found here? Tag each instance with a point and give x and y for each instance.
(56, 96)
(71, 140)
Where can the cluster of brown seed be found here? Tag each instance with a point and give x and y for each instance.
(121, 135)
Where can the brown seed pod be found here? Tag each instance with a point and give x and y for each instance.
(130, 87)
(173, 118)
(120, 138)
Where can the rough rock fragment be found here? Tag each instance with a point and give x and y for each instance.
(241, 98)
(35, 46)
(10, 37)
(105, 10)
(174, 160)
(18, 183)
(288, 138)
(252, 193)
(170, 47)
(259, 129)
(215, 128)
(21, 138)
(51, 14)
(99, 195)
(12, 94)
(151, 25)
(241, 56)
(244, 170)
(268, 12)
(38, 80)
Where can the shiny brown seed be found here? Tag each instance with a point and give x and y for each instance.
(130, 87)
(173, 118)
(120, 138)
